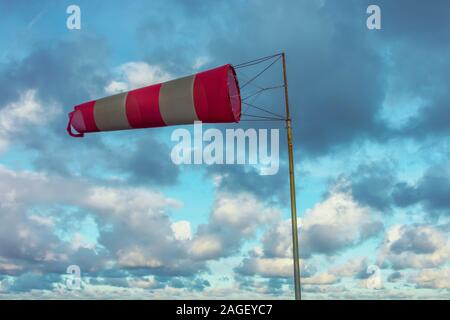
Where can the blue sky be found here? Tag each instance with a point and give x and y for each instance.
(371, 142)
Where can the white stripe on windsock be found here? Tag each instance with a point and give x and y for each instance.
(176, 101)
(110, 113)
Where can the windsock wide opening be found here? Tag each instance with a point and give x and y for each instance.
(234, 93)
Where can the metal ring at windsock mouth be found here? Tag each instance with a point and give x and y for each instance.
(234, 93)
(70, 124)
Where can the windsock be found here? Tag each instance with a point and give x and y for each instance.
(210, 96)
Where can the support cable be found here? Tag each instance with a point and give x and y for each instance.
(260, 73)
(264, 110)
(256, 61)
(261, 117)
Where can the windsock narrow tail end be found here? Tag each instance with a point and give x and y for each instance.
(76, 122)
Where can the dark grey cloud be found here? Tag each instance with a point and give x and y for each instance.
(404, 194)
(272, 286)
(416, 21)
(416, 246)
(121, 282)
(63, 73)
(335, 74)
(328, 239)
(240, 178)
(361, 272)
(430, 122)
(416, 35)
(434, 188)
(395, 276)
(181, 33)
(245, 282)
(338, 70)
(149, 163)
(377, 185)
(414, 241)
(193, 283)
(275, 285)
(124, 279)
(66, 71)
(34, 281)
(339, 76)
(371, 184)
(431, 191)
(322, 239)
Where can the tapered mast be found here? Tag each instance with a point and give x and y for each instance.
(292, 187)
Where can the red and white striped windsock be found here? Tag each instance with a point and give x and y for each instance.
(211, 96)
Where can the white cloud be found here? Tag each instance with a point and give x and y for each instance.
(19, 115)
(334, 224)
(277, 240)
(200, 62)
(79, 241)
(350, 268)
(28, 239)
(133, 75)
(26, 110)
(243, 212)
(337, 223)
(43, 221)
(8, 266)
(133, 206)
(233, 219)
(268, 267)
(414, 246)
(433, 278)
(142, 234)
(28, 187)
(143, 283)
(331, 225)
(133, 224)
(182, 230)
(324, 278)
(338, 209)
(116, 87)
(206, 246)
(137, 257)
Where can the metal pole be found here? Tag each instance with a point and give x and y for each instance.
(292, 188)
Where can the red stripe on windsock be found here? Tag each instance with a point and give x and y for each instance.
(142, 107)
(212, 96)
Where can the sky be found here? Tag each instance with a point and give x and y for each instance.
(371, 145)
